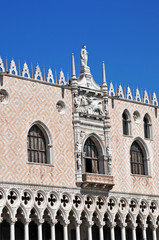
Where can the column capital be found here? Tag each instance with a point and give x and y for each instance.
(39, 221)
(111, 224)
(52, 221)
(26, 220)
(100, 224)
(122, 225)
(143, 226)
(90, 223)
(65, 222)
(133, 226)
(153, 227)
(78, 222)
(12, 220)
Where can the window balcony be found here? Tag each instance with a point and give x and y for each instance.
(97, 181)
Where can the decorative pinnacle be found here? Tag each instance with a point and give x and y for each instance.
(73, 67)
(104, 76)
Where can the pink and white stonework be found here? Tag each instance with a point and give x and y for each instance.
(78, 161)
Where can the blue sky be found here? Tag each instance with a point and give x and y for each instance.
(123, 33)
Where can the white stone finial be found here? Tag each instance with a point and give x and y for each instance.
(120, 92)
(50, 77)
(73, 67)
(62, 78)
(25, 72)
(13, 69)
(137, 95)
(38, 74)
(146, 98)
(111, 90)
(154, 99)
(2, 69)
(129, 94)
(104, 76)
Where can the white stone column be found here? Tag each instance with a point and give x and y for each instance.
(134, 232)
(111, 226)
(65, 229)
(90, 230)
(39, 223)
(154, 233)
(144, 231)
(123, 234)
(26, 228)
(12, 228)
(78, 223)
(52, 225)
(101, 234)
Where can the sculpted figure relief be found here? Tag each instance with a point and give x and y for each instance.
(2, 97)
(84, 56)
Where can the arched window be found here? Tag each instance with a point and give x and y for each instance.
(126, 123)
(91, 157)
(138, 159)
(147, 127)
(40, 148)
(36, 145)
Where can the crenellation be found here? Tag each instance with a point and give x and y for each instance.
(13, 69)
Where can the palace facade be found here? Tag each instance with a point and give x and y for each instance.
(78, 161)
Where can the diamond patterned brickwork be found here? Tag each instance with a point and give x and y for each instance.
(30, 101)
(123, 179)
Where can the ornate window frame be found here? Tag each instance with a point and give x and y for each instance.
(101, 153)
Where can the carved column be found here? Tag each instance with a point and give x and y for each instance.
(154, 233)
(65, 229)
(101, 234)
(134, 232)
(89, 224)
(111, 226)
(12, 228)
(123, 235)
(52, 225)
(143, 227)
(26, 228)
(78, 223)
(39, 223)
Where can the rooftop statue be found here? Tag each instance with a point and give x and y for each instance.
(84, 56)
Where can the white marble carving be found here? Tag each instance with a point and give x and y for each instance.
(129, 94)
(13, 69)
(2, 69)
(154, 99)
(146, 98)
(38, 74)
(84, 56)
(62, 78)
(137, 95)
(50, 77)
(25, 72)
(111, 90)
(90, 105)
(120, 92)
